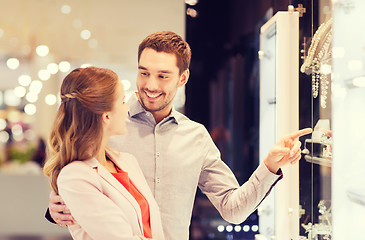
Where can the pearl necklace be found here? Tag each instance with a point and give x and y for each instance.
(320, 53)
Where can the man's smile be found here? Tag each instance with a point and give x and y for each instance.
(152, 96)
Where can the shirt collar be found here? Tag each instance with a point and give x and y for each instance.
(135, 108)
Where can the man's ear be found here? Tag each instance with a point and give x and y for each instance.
(184, 77)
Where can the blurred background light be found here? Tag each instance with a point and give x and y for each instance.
(44, 75)
(50, 99)
(2, 124)
(52, 68)
(64, 66)
(66, 9)
(126, 84)
(24, 80)
(229, 228)
(220, 228)
(35, 86)
(12, 63)
(20, 91)
(31, 97)
(11, 99)
(42, 50)
(85, 34)
(4, 137)
(30, 109)
(191, 2)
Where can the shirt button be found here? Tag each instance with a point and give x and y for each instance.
(158, 180)
(157, 154)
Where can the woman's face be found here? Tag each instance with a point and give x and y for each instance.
(119, 113)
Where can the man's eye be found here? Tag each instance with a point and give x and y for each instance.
(144, 73)
(163, 76)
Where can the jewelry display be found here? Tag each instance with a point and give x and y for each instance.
(320, 145)
(323, 229)
(318, 61)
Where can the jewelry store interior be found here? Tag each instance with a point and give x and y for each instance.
(259, 70)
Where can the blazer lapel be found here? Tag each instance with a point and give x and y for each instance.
(108, 177)
(139, 181)
(134, 173)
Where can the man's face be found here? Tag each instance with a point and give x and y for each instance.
(158, 80)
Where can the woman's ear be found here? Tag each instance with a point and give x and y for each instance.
(105, 117)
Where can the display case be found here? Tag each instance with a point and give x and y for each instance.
(315, 168)
(279, 63)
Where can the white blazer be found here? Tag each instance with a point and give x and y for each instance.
(102, 207)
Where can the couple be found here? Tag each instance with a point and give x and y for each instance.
(104, 193)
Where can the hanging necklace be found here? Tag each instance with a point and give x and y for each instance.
(320, 55)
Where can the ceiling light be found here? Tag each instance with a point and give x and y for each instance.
(50, 99)
(11, 99)
(20, 91)
(52, 68)
(30, 109)
(35, 87)
(65, 9)
(42, 50)
(31, 97)
(12, 63)
(44, 75)
(24, 80)
(85, 34)
(64, 66)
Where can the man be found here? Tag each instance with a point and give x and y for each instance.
(176, 154)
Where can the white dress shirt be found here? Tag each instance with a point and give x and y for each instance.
(178, 155)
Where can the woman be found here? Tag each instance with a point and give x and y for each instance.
(105, 191)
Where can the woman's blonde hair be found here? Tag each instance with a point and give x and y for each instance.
(86, 94)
